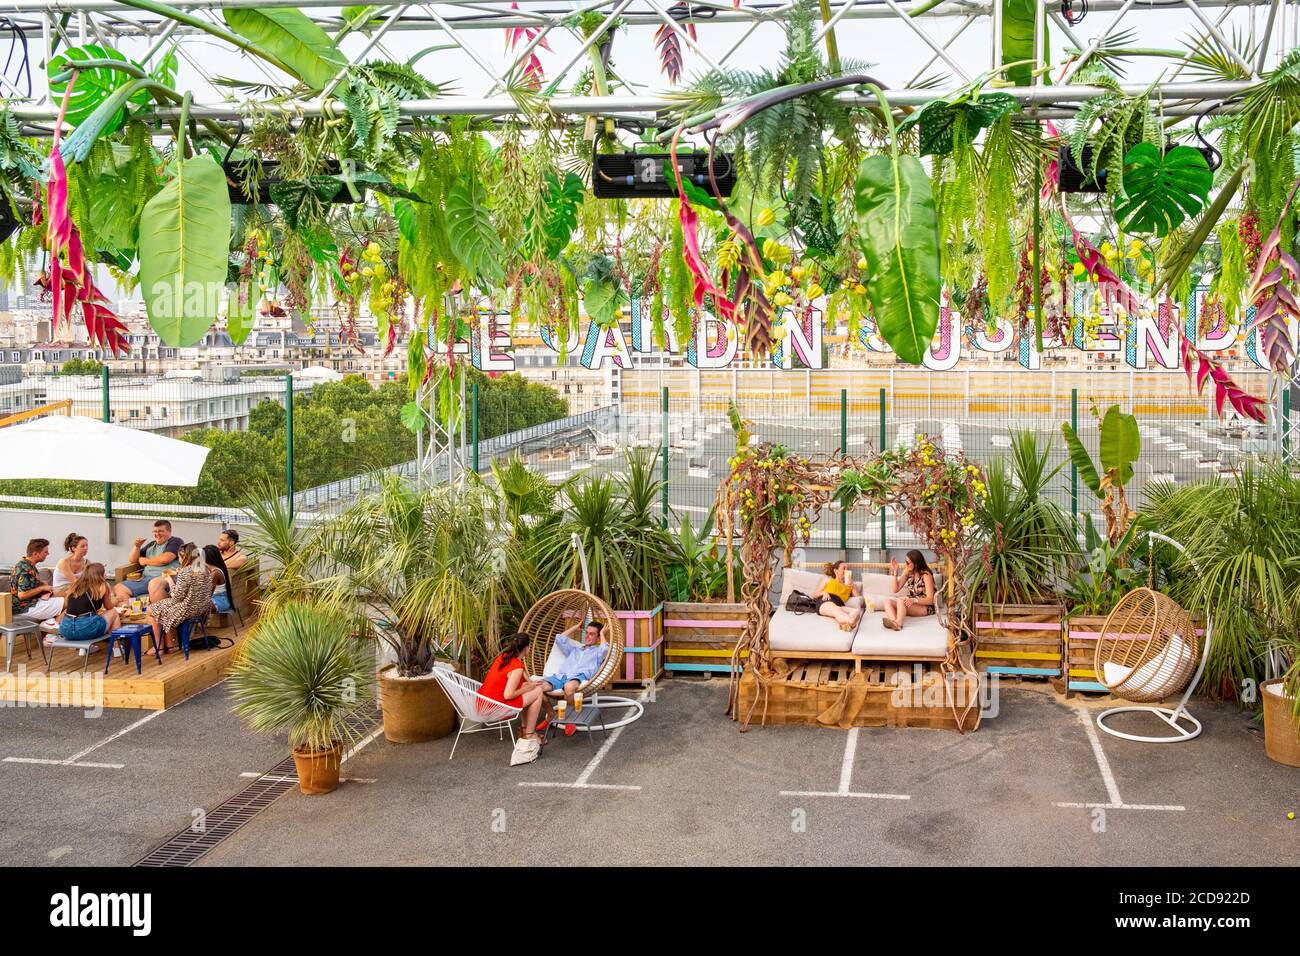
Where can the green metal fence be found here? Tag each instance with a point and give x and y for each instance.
(680, 414)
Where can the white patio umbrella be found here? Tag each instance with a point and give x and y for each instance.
(84, 449)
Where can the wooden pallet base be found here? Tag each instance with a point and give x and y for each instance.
(157, 687)
(833, 693)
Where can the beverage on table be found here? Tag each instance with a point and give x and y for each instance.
(577, 702)
(561, 707)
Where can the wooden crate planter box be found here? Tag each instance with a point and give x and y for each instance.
(1081, 634)
(1019, 640)
(643, 647)
(700, 638)
(897, 695)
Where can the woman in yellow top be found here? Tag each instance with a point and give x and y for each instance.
(833, 596)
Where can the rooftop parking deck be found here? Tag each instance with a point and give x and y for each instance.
(683, 785)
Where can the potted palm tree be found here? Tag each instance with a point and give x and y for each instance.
(304, 671)
(619, 527)
(701, 627)
(424, 566)
(1026, 549)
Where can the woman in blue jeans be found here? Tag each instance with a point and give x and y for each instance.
(89, 611)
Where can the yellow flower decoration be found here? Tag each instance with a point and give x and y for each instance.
(728, 254)
(776, 252)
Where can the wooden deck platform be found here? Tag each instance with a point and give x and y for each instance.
(157, 687)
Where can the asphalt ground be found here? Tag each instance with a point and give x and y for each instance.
(683, 785)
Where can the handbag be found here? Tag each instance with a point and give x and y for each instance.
(800, 603)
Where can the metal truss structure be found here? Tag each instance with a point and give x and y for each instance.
(959, 43)
(470, 32)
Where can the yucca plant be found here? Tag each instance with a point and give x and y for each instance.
(1242, 566)
(424, 563)
(303, 672)
(1029, 543)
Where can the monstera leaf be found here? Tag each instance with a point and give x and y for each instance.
(899, 239)
(184, 238)
(474, 238)
(293, 38)
(1162, 190)
(940, 119)
(94, 86)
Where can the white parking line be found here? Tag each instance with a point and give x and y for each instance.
(1108, 777)
(846, 778)
(581, 783)
(76, 761)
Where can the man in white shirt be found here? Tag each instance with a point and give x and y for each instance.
(581, 660)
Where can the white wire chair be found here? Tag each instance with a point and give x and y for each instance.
(477, 713)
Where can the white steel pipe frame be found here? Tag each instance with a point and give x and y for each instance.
(717, 12)
(1046, 96)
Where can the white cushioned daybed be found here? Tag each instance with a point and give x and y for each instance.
(813, 636)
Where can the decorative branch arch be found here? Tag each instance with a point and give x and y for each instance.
(778, 495)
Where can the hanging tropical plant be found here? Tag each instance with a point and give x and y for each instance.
(1271, 292)
(669, 45)
(963, 115)
(184, 247)
(70, 280)
(532, 68)
(899, 238)
(1162, 190)
(292, 38)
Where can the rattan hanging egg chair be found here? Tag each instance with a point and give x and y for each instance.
(567, 612)
(1149, 650)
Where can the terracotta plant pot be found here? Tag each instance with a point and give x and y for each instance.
(415, 708)
(1281, 735)
(318, 770)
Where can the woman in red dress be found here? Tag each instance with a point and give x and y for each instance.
(507, 681)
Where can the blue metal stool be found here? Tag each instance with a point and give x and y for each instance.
(131, 636)
(183, 631)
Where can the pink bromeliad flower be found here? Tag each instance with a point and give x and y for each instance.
(71, 279)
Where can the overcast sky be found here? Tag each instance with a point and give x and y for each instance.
(889, 44)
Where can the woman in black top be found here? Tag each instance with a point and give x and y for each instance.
(89, 611)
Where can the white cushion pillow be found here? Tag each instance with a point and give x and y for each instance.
(1154, 672)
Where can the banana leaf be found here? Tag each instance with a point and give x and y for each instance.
(1082, 460)
(899, 238)
(1121, 443)
(291, 37)
(184, 240)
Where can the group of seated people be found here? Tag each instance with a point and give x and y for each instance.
(912, 585)
(181, 580)
(507, 680)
